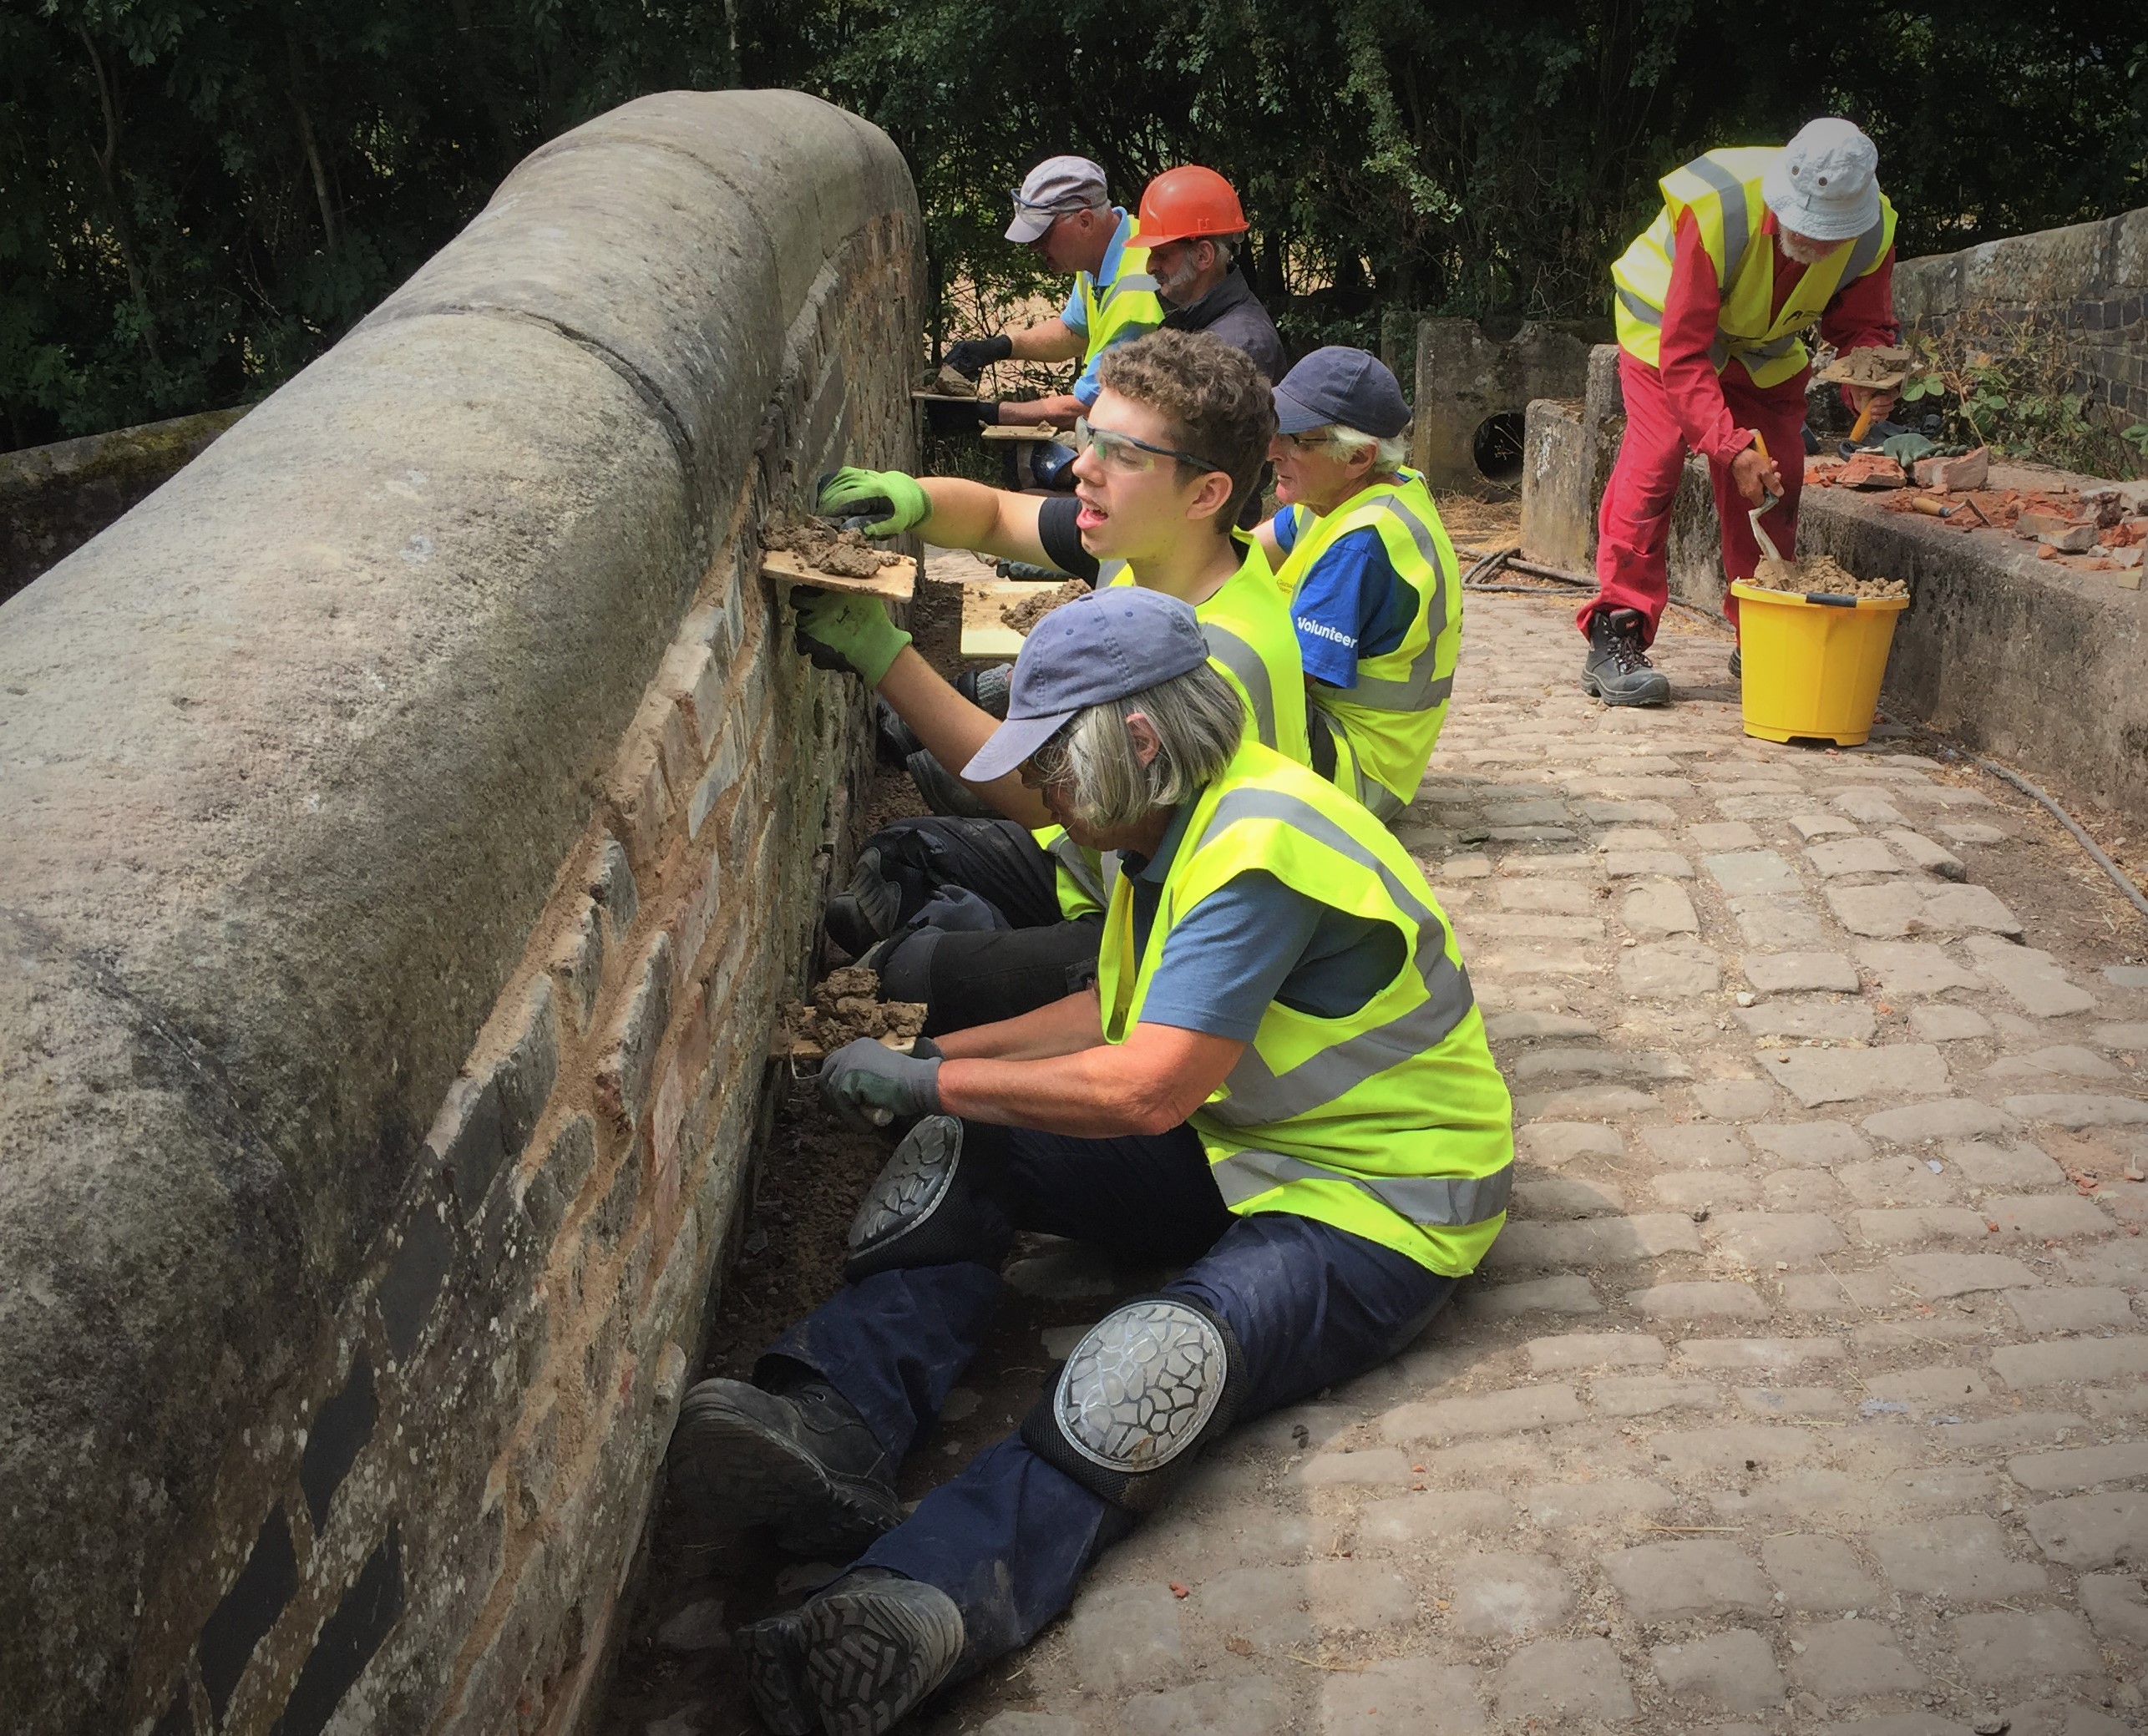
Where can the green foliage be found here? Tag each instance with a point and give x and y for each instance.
(2017, 384)
(198, 197)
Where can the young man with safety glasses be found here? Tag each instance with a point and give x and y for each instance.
(1175, 443)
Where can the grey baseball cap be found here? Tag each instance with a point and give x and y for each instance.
(1054, 187)
(1336, 384)
(1088, 652)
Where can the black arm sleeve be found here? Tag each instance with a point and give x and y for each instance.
(1062, 542)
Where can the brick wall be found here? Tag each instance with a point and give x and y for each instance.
(2089, 281)
(432, 1445)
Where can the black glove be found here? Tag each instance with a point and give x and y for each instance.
(972, 355)
(959, 416)
(869, 1085)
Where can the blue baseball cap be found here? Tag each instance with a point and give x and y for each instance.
(1088, 652)
(1336, 384)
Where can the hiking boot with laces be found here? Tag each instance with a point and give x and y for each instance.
(854, 1658)
(802, 1461)
(866, 911)
(1738, 664)
(1616, 670)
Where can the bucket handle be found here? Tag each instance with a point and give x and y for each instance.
(1831, 599)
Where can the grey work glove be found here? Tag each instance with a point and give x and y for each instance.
(869, 1085)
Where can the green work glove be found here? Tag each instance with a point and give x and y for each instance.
(889, 502)
(842, 630)
(869, 1085)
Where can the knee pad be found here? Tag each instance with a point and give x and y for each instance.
(1153, 1382)
(928, 1206)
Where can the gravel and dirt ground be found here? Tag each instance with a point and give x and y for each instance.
(1802, 1393)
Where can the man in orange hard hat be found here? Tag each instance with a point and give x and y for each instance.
(1192, 224)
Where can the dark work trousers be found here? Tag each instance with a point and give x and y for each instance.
(970, 975)
(1009, 1538)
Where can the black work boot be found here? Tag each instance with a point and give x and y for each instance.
(855, 1659)
(801, 1460)
(944, 793)
(1616, 670)
(867, 910)
(1737, 663)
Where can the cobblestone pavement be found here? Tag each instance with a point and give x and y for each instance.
(1804, 1391)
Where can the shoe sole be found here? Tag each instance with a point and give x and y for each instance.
(774, 1654)
(1595, 690)
(864, 1675)
(766, 1479)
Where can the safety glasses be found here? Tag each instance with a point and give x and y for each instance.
(1123, 452)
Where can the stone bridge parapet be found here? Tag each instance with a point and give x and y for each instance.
(409, 817)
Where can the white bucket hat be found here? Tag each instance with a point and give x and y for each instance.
(1825, 184)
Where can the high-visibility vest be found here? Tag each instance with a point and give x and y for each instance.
(1130, 300)
(1384, 727)
(1391, 1122)
(1722, 189)
(1253, 645)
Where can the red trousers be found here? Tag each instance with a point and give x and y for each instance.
(1634, 526)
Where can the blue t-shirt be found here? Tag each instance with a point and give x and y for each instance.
(1251, 941)
(1352, 605)
(1077, 317)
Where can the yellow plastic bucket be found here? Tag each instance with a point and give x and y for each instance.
(1812, 664)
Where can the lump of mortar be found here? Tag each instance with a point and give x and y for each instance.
(1023, 616)
(1886, 365)
(845, 1005)
(844, 553)
(1823, 573)
(951, 384)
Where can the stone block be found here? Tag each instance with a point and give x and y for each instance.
(1733, 1448)
(2116, 1605)
(1921, 852)
(1646, 1395)
(1955, 1118)
(1733, 1671)
(1666, 1581)
(1944, 1024)
(1818, 1143)
(1549, 1196)
(1678, 971)
(1122, 1638)
(1735, 1100)
(2050, 1217)
(1963, 1558)
(1501, 1594)
(1555, 1143)
(1242, 1705)
(2092, 1530)
(1834, 856)
(1937, 1276)
(1594, 1242)
(1818, 1573)
(1608, 1499)
(2033, 980)
(1563, 1680)
(1914, 967)
(1636, 864)
(2056, 1361)
(2079, 1467)
(1873, 807)
(1851, 1660)
(1762, 1239)
(1655, 908)
(1702, 1299)
(2012, 1167)
(2079, 1109)
(1594, 1350)
(2011, 1646)
(1699, 1147)
(1443, 1420)
(1800, 973)
(1778, 924)
(1567, 1294)
(2086, 1307)
(1408, 1525)
(1817, 1076)
(1741, 1354)
(1401, 1696)
(1745, 873)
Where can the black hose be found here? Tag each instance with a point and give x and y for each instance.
(2118, 875)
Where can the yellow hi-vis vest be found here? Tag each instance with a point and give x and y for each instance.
(1130, 300)
(1722, 189)
(1384, 727)
(1252, 646)
(1391, 1122)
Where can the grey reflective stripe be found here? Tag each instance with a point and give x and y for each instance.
(1640, 310)
(1258, 1095)
(1242, 660)
(1749, 350)
(1737, 229)
(1383, 803)
(1443, 1202)
(1349, 770)
(1133, 283)
(1866, 254)
(1068, 855)
(1421, 688)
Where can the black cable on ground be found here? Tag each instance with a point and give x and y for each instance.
(2119, 877)
(1477, 578)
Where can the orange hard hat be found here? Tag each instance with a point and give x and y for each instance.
(1183, 204)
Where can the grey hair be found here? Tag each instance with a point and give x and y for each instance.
(1390, 452)
(1199, 720)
